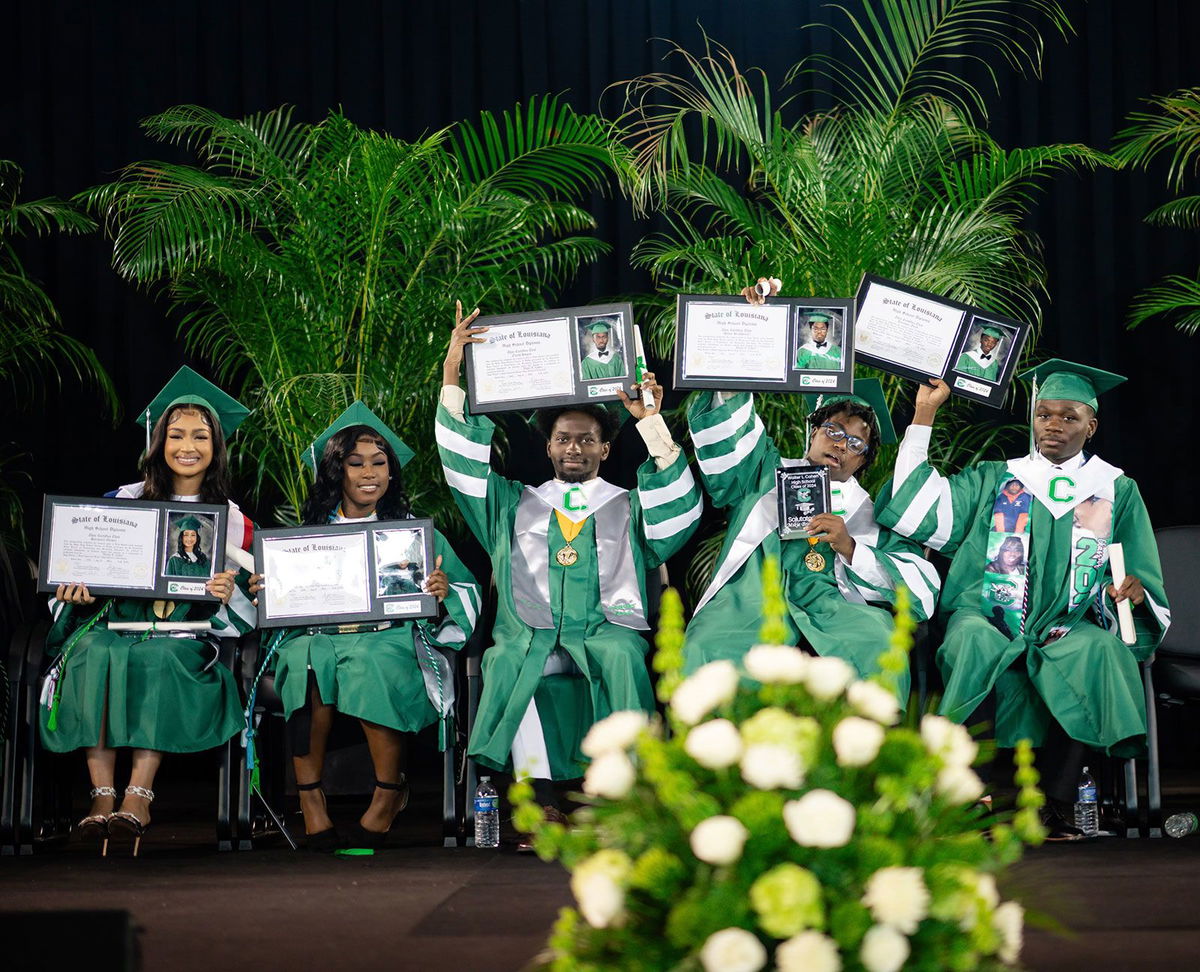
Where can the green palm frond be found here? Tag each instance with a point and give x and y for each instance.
(1183, 213)
(1175, 297)
(1174, 128)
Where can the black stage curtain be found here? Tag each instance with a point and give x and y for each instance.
(77, 76)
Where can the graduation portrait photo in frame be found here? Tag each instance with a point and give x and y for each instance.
(131, 548)
(920, 335)
(543, 359)
(792, 344)
(344, 573)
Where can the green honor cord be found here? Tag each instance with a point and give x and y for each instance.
(64, 657)
(442, 714)
(251, 696)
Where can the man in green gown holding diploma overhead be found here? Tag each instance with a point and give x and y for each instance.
(569, 561)
(1042, 641)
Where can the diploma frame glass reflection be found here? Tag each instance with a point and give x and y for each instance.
(131, 548)
(544, 359)
(919, 335)
(726, 343)
(345, 573)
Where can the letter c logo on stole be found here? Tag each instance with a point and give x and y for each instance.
(569, 498)
(1053, 489)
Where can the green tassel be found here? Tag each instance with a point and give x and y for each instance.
(255, 778)
(52, 722)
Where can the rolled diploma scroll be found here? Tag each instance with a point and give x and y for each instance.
(240, 557)
(639, 352)
(1116, 560)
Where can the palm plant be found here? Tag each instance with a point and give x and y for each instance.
(32, 344)
(313, 264)
(898, 178)
(1172, 127)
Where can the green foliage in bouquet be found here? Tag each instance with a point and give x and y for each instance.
(781, 818)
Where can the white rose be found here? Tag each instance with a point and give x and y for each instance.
(856, 741)
(820, 818)
(619, 731)
(768, 767)
(810, 951)
(1009, 920)
(719, 840)
(985, 887)
(601, 899)
(827, 677)
(884, 949)
(874, 701)
(708, 687)
(959, 784)
(611, 776)
(897, 897)
(733, 950)
(775, 663)
(715, 744)
(948, 740)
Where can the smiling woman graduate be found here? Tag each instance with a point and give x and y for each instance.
(161, 691)
(383, 673)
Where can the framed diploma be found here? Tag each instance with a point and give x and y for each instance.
(920, 335)
(344, 573)
(793, 344)
(541, 359)
(132, 548)
(802, 492)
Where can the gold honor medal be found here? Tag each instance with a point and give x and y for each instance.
(567, 555)
(813, 560)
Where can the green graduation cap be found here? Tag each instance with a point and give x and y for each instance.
(1067, 381)
(597, 327)
(189, 523)
(357, 414)
(869, 392)
(991, 331)
(189, 388)
(819, 318)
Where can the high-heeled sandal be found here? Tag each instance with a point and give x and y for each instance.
(131, 823)
(377, 838)
(323, 840)
(95, 825)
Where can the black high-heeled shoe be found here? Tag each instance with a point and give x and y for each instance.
(323, 840)
(95, 825)
(124, 822)
(377, 838)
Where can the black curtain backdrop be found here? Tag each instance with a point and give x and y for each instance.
(77, 77)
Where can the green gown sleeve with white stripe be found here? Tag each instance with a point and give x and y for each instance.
(1076, 669)
(549, 605)
(841, 610)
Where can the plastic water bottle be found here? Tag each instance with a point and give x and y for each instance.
(1087, 816)
(487, 814)
(1181, 824)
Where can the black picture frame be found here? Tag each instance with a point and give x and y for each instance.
(802, 491)
(400, 605)
(106, 516)
(792, 318)
(564, 324)
(956, 330)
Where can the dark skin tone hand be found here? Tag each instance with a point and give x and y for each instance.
(831, 528)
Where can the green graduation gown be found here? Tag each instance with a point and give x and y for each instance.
(969, 364)
(376, 675)
(1087, 679)
(809, 357)
(593, 367)
(180, 566)
(166, 694)
(840, 610)
(591, 609)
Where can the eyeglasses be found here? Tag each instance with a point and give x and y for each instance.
(853, 443)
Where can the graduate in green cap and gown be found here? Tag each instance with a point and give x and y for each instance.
(383, 673)
(603, 361)
(819, 352)
(1039, 643)
(189, 560)
(160, 692)
(569, 560)
(983, 361)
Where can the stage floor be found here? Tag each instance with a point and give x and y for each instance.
(1126, 904)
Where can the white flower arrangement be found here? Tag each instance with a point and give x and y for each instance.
(786, 820)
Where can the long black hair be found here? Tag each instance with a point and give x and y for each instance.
(326, 491)
(198, 553)
(852, 410)
(158, 482)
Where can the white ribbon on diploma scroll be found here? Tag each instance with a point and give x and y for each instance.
(1116, 560)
